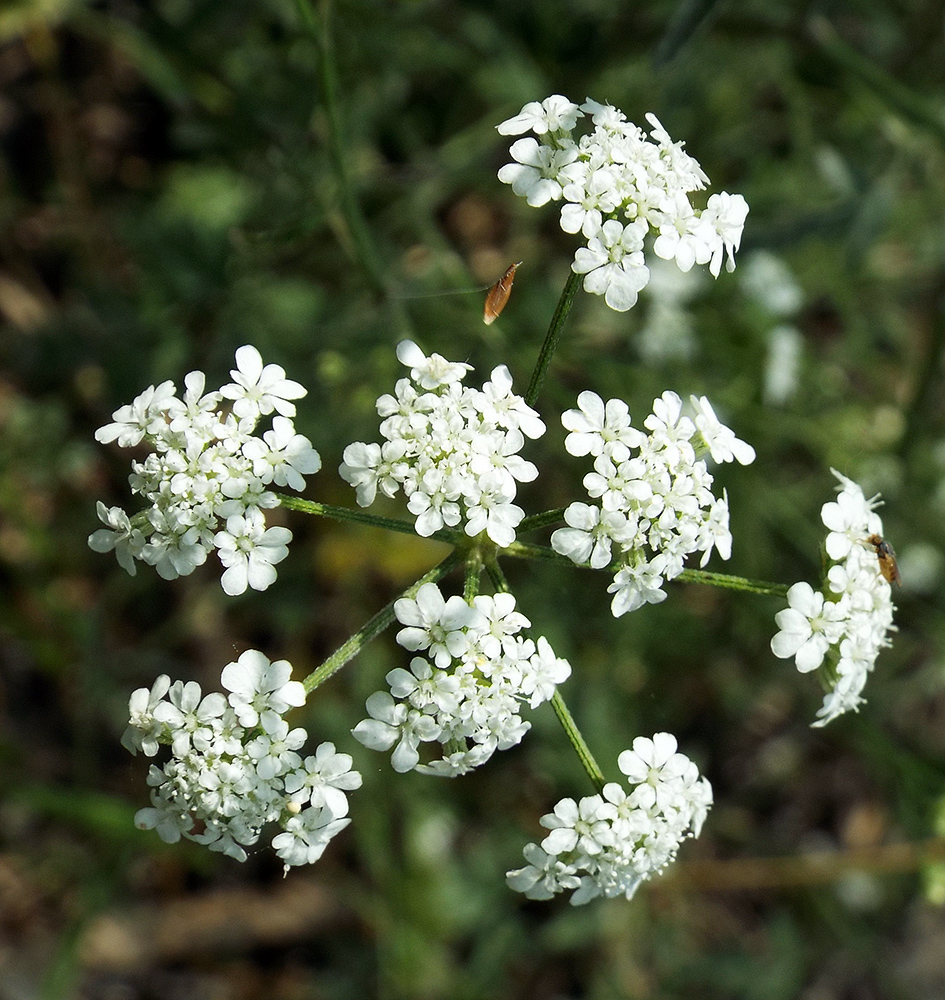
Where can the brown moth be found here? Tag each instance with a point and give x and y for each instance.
(498, 295)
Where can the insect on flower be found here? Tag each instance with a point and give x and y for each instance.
(498, 295)
(887, 559)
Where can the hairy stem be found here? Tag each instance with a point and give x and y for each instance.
(348, 650)
(362, 517)
(551, 338)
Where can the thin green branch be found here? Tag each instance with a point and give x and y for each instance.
(577, 741)
(473, 569)
(551, 338)
(348, 650)
(522, 550)
(318, 27)
(733, 582)
(570, 727)
(317, 23)
(457, 538)
(542, 520)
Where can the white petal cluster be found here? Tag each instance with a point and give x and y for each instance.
(845, 624)
(620, 186)
(654, 503)
(235, 765)
(453, 450)
(207, 480)
(464, 694)
(608, 844)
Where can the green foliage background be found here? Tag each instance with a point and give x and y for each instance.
(169, 190)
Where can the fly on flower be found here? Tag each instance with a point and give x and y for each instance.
(887, 559)
(499, 294)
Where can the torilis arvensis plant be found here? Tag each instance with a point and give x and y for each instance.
(228, 765)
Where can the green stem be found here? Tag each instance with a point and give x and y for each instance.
(473, 569)
(577, 741)
(317, 25)
(542, 520)
(362, 517)
(523, 550)
(348, 650)
(561, 710)
(552, 337)
(733, 582)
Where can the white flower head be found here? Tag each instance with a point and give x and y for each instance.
(619, 185)
(609, 844)
(843, 626)
(205, 483)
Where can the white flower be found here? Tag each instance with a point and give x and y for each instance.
(684, 236)
(190, 718)
(429, 372)
(250, 551)
(454, 450)
(282, 456)
(273, 751)
(535, 176)
(499, 622)
(234, 768)
(850, 518)
(466, 696)
(720, 440)
(726, 213)
(599, 429)
(808, 627)
(653, 760)
(256, 389)
(436, 624)
(545, 672)
(127, 542)
(543, 876)
(206, 467)
(553, 114)
(359, 468)
(391, 723)
(260, 688)
(306, 836)
(145, 416)
(655, 507)
(612, 263)
(144, 730)
(323, 779)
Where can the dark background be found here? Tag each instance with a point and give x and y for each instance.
(170, 190)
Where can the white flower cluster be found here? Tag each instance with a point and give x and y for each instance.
(655, 505)
(454, 450)
(234, 766)
(208, 467)
(619, 186)
(608, 844)
(466, 692)
(848, 621)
